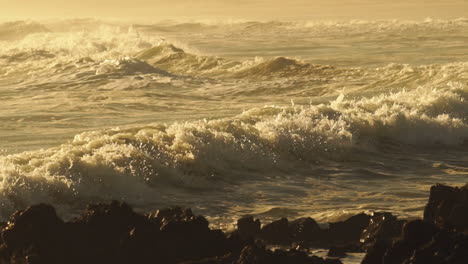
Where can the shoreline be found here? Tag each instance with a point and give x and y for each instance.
(114, 233)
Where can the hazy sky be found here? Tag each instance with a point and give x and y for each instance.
(152, 9)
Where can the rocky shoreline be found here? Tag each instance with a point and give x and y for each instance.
(114, 233)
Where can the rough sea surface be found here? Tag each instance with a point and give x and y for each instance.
(276, 119)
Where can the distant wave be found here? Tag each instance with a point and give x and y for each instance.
(283, 67)
(62, 58)
(19, 29)
(168, 57)
(268, 27)
(126, 66)
(33, 55)
(176, 60)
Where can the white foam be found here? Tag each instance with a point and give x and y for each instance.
(129, 163)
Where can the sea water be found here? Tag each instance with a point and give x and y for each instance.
(274, 119)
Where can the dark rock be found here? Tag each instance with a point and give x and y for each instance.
(276, 232)
(229, 258)
(114, 233)
(348, 233)
(182, 236)
(304, 229)
(448, 207)
(376, 253)
(164, 216)
(248, 228)
(256, 254)
(398, 252)
(36, 224)
(415, 234)
(381, 226)
(418, 231)
(100, 231)
(34, 231)
(459, 252)
(440, 238)
(458, 216)
(337, 252)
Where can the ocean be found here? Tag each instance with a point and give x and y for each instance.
(231, 117)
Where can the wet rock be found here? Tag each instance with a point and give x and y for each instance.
(448, 207)
(164, 216)
(382, 226)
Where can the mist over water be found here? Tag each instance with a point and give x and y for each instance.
(276, 119)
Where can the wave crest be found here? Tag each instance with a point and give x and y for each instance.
(131, 163)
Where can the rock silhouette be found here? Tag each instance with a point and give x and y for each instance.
(114, 233)
(440, 238)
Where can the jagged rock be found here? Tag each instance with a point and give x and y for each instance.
(164, 216)
(440, 238)
(448, 207)
(114, 233)
(381, 226)
(422, 243)
(110, 233)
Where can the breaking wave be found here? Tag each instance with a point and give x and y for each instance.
(131, 163)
